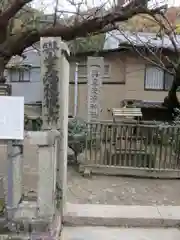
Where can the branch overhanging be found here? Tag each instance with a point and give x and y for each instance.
(93, 26)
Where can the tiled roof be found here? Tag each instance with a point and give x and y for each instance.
(115, 39)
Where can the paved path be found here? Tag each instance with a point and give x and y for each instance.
(96, 233)
(122, 190)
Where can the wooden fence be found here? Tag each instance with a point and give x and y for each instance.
(132, 149)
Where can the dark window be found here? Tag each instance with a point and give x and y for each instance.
(20, 75)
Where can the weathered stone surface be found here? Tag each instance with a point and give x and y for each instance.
(30, 167)
(71, 156)
(81, 157)
(42, 138)
(121, 215)
(96, 233)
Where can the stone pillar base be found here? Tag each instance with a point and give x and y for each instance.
(46, 192)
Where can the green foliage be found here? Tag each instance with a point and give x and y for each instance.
(32, 124)
(91, 43)
(77, 135)
(168, 134)
(177, 30)
(26, 18)
(80, 136)
(77, 132)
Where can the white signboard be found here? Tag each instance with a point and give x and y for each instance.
(11, 118)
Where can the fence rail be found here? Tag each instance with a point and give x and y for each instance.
(132, 149)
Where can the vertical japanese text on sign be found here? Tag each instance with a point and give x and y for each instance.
(50, 81)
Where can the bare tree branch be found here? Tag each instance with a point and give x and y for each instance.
(159, 58)
(150, 53)
(169, 31)
(11, 11)
(81, 29)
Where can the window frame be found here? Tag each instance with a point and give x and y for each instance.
(107, 75)
(164, 79)
(21, 75)
(154, 89)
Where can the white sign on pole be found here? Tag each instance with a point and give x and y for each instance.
(11, 118)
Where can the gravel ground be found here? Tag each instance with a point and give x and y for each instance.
(102, 189)
(122, 190)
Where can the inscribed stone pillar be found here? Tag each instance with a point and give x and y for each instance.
(55, 77)
(95, 78)
(51, 77)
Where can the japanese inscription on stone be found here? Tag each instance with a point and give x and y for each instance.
(94, 86)
(50, 81)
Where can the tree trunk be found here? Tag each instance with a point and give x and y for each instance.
(3, 63)
(171, 101)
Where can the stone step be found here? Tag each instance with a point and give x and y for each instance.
(115, 215)
(106, 233)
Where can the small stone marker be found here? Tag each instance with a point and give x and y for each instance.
(95, 78)
(11, 118)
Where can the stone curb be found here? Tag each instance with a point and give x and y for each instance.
(113, 233)
(121, 216)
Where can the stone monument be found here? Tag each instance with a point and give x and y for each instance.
(55, 78)
(95, 78)
(41, 218)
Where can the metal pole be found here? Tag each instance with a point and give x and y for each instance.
(76, 90)
(10, 188)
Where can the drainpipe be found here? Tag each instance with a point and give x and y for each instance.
(76, 90)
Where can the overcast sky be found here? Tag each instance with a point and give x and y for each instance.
(48, 5)
(174, 2)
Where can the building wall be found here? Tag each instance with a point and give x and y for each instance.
(125, 80)
(134, 88)
(112, 89)
(32, 91)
